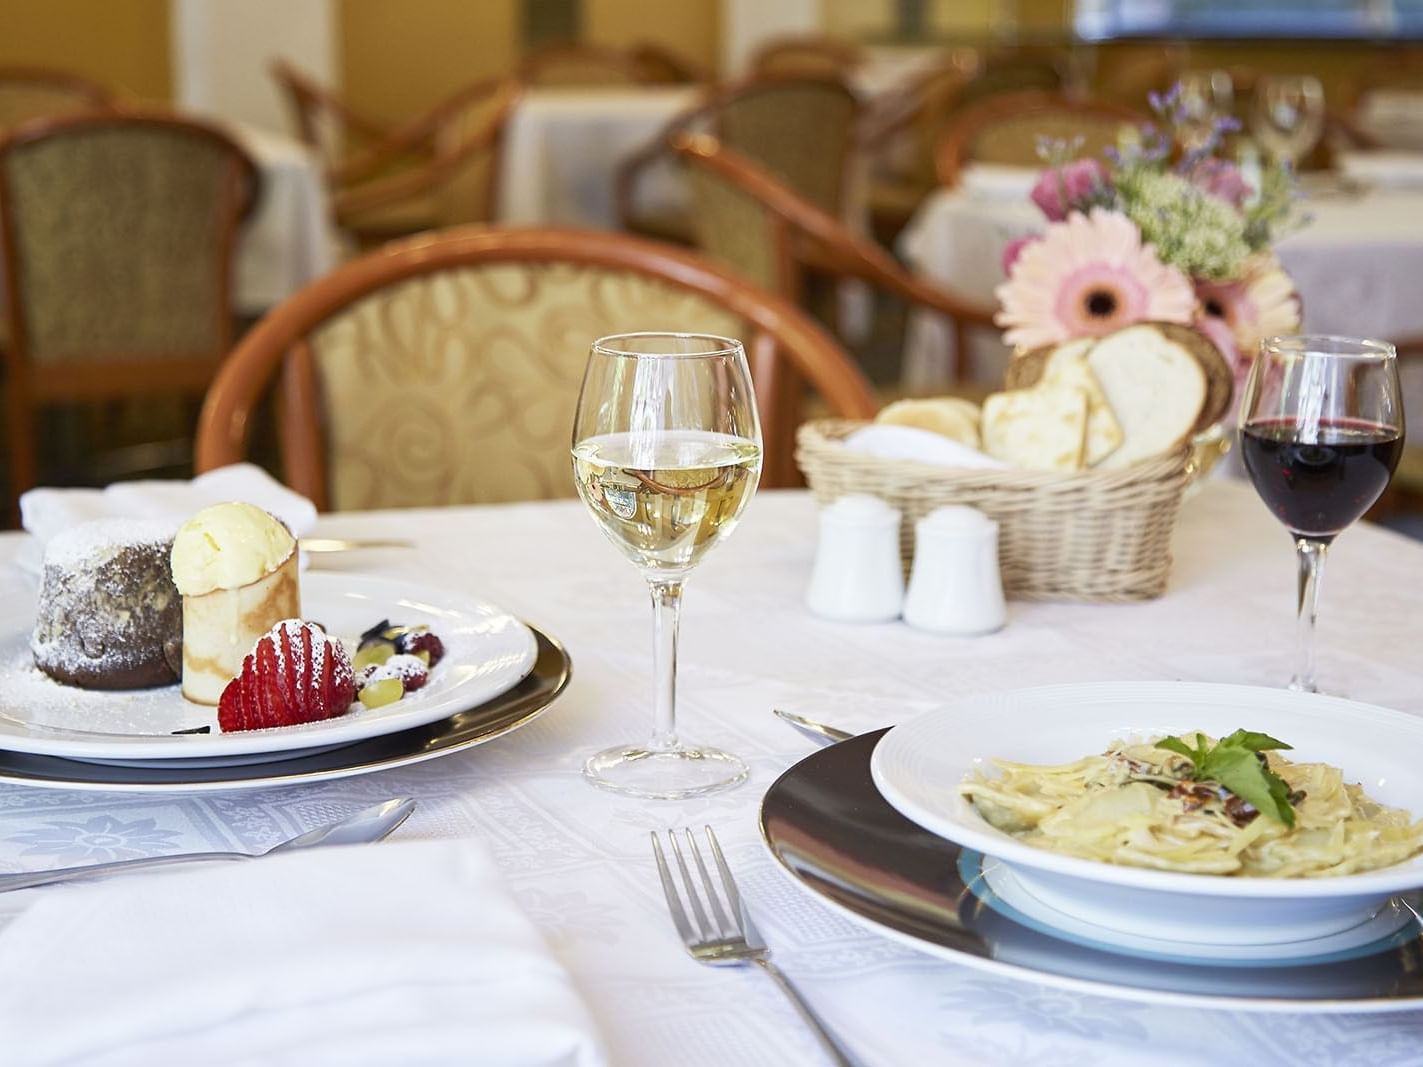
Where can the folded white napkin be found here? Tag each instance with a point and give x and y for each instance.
(399, 953)
(46, 512)
(1384, 170)
(999, 181)
(888, 441)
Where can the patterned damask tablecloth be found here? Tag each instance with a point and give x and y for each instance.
(578, 860)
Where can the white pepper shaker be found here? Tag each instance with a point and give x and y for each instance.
(858, 575)
(956, 587)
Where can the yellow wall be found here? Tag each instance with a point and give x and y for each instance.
(690, 28)
(123, 44)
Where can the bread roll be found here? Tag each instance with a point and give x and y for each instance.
(1156, 389)
(1044, 428)
(951, 416)
(1067, 365)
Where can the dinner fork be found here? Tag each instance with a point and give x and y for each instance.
(725, 936)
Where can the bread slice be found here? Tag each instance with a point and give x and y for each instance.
(1220, 379)
(1044, 428)
(951, 416)
(1156, 388)
(1067, 365)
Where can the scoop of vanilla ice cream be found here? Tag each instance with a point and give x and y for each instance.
(228, 546)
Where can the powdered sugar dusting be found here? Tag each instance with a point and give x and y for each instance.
(91, 543)
(399, 666)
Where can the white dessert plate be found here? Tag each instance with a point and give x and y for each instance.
(919, 765)
(487, 652)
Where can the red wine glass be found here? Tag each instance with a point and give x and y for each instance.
(1321, 431)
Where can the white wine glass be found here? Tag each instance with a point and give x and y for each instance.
(1288, 115)
(1206, 96)
(666, 455)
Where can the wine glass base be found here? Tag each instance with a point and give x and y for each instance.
(670, 774)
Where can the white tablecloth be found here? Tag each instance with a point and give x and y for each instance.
(578, 860)
(288, 239)
(563, 147)
(1356, 265)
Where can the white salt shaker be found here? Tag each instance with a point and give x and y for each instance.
(955, 587)
(858, 575)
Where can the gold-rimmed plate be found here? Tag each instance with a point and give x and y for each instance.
(462, 730)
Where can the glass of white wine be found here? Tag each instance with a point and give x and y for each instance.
(666, 455)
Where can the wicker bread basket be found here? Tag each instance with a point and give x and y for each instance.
(1091, 535)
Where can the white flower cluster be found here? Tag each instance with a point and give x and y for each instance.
(1200, 234)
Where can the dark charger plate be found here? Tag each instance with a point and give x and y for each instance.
(549, 677)
(828, 826)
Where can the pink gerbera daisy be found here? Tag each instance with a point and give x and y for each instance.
(1260, 303)
(1089, 275)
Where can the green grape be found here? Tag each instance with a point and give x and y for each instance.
(381, 692)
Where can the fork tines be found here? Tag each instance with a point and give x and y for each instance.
(709, 921)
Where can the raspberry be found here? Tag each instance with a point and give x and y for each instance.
(421, 641)
(294, 674)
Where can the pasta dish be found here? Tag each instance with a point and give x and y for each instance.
(1144, 805)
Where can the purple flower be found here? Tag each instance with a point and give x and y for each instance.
(1076, 185)
(1221, 179)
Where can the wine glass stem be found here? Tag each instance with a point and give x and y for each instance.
(1311, 555)
(666, 616)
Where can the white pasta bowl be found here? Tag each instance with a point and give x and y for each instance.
(919, 766)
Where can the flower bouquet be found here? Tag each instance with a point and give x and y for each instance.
(1159, 230)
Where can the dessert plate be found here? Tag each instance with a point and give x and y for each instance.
(836, 837)
(919, 765)
(487, 652)
(462, 731)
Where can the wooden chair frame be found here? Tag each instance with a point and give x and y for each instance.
(836, 51)
(806, 237)
(112, 374)
(784, 346)
(100, 97)
(622, 60)
(630, 170)
(953, 150)
(448, 156)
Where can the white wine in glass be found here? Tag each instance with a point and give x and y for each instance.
(666, 455)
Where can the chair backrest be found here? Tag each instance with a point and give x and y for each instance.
(805, 56)
(118, 235)
(445, 369)
(580, 64)
(657, 65)
(800, 129)
(1009, 128)
(324, 122)
(28, 93)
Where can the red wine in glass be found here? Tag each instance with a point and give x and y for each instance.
(1321, 433)
(1321, 482)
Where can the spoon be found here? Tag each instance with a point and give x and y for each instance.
(370, 824)
(818, 730)
(344, 544)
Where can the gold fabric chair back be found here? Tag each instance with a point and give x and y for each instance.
(33, 93)
(445, 370)
(800, 129)
(805, 57)
(118, 238)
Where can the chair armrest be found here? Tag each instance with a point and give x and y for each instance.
(629, 171)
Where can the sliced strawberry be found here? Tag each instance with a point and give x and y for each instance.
(293, 674)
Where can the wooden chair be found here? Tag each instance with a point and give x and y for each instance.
(801, 129)
(581, 64)
(802, 56)
(657, 65)
(1006, 129)
(445, 369)
(459, 183)
(28, 93)
(324, 122)
(760, 227)
(118, 233)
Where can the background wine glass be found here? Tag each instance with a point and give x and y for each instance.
(666, 455)
(1321, 433)
(1206, 96)
(1288, 115)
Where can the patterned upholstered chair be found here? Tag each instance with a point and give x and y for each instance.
(805, 56)
(1006, 129)
(35, 93)
(445, 370)
(801, 129)
(770, 235)
(118, 236)
(456, 184)
(324, 122)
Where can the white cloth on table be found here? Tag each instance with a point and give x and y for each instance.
(563, 147)
(411, 953)
(289, 239)
(46, 512)
(1384, 170)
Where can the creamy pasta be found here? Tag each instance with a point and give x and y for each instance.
(1138, 805)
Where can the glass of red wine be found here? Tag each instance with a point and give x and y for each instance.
(1321, 431)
